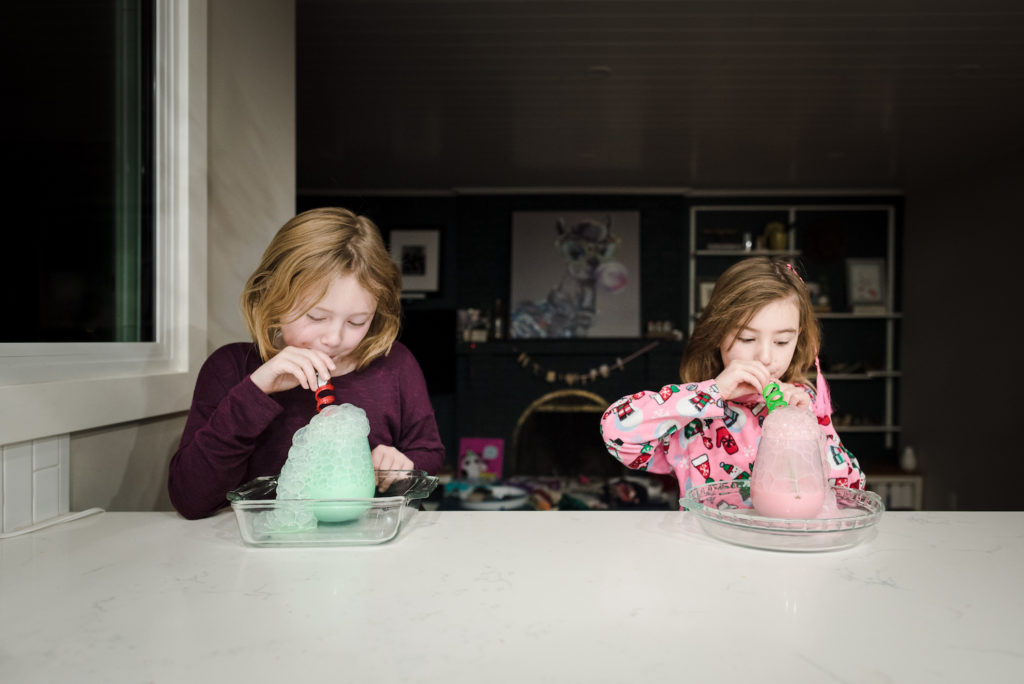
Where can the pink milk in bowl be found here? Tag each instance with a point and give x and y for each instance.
(789, 478)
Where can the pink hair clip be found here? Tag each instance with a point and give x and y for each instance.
(790, 267)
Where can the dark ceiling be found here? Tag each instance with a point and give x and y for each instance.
(429, 94)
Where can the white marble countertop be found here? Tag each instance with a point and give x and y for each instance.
(512, 597)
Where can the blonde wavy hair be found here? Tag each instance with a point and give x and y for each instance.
(297, 268)
(740, 292)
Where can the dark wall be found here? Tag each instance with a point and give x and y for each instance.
(962, 370)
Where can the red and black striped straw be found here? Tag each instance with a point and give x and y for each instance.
(324, 393)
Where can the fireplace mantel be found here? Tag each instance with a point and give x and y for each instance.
(498, 381)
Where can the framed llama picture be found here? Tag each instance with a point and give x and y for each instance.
(575, 274)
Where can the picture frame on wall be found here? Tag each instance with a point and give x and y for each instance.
(704, 289)
(865, 285)
(417, 253)
(575, 274)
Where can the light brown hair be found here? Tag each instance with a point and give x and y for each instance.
(740, 292)
(297, 268)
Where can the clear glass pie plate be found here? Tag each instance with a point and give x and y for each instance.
(725, 512)
(264, 520)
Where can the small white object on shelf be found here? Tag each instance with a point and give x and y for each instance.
(908, 459)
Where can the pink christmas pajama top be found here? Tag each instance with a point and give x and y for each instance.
(689, 430)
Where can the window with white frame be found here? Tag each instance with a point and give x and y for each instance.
(79, 235)
(106, 216)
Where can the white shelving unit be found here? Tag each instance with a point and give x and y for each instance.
(701, 259)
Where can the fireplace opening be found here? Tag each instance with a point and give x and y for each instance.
(558, 435)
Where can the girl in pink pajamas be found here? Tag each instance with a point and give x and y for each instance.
(759, 327)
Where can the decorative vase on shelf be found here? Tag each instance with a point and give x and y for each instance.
(776, 236)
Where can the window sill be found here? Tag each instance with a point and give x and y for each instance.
(53, 408)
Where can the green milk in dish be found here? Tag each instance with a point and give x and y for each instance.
(330, 459)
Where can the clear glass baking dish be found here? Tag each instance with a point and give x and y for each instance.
(725, 512)
(264, 520)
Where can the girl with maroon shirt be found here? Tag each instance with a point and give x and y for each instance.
(323, 303)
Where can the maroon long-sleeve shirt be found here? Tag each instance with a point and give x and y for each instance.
(235, 432)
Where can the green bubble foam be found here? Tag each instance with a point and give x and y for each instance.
(330, 459)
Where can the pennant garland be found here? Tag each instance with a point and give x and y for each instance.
(571, 379)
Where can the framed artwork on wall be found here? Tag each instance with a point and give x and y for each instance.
(417, 253)
(575, 274)
(865, 285)
(705, 287)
